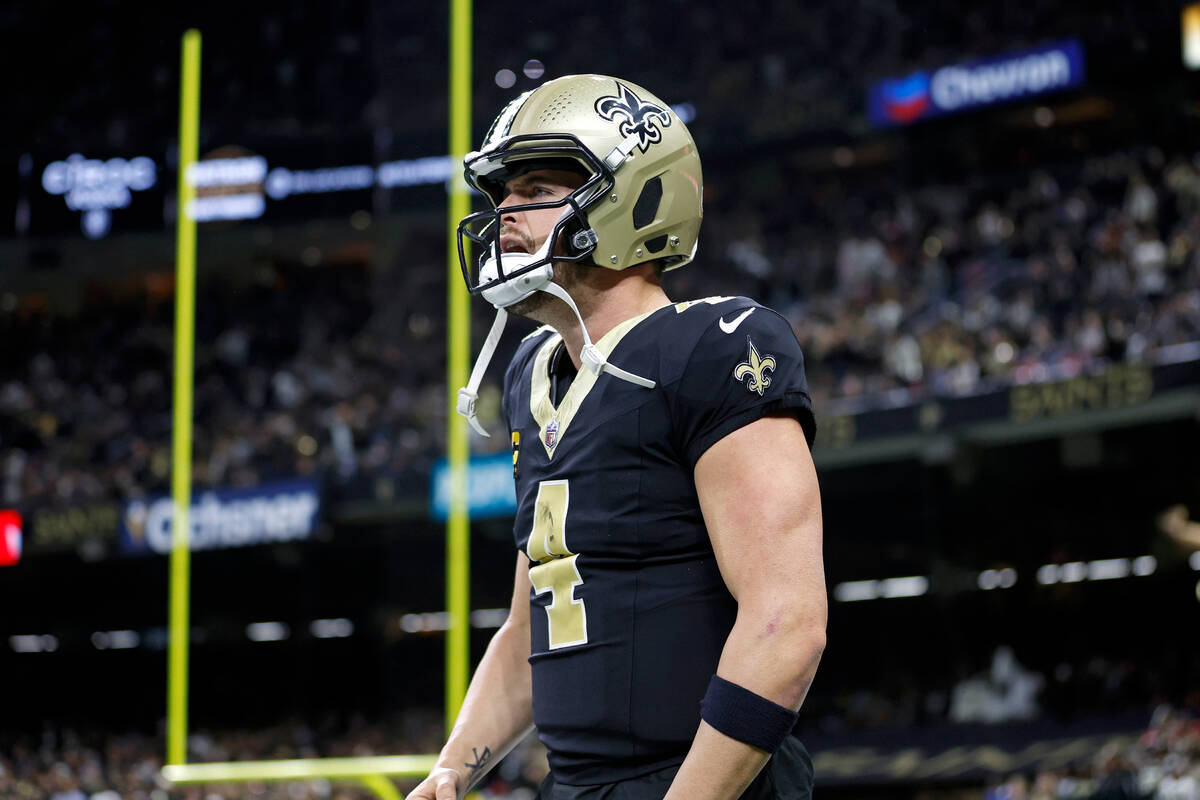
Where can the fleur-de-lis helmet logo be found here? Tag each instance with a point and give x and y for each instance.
(755, 367)
(634, 115)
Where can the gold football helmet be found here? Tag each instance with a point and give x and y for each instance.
(640, 199)
(641, 196)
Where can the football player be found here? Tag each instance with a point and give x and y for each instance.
(669, 606)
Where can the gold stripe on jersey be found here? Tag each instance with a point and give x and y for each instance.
(686, 304)
(537, 332)
(541, 404)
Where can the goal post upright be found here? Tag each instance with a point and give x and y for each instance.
(373, 773)
(181, 422)
(458, 344)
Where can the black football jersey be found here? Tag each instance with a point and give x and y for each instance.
(628, 611)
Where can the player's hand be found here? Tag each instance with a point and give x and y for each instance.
(442, 784)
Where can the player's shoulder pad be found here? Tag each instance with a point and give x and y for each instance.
(715, 320)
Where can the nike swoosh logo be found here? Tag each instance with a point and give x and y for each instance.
(730, 327)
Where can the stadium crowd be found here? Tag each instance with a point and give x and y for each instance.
(66, 764)
(956, 289)
(292, 71)
(1162, 763)
(1000, 691)
(895, 293)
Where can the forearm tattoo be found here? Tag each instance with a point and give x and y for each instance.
(478, 765)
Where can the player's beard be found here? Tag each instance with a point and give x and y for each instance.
(567, 274)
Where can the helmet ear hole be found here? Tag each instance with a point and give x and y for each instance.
(646, 207)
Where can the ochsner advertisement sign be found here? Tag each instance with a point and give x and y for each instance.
(272, 512)
(975, 84)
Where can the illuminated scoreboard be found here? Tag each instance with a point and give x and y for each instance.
(97, 195)
(92, 189)
(286, 179)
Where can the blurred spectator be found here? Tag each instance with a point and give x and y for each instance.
(338, 371)
(1164, 763)
(1008, 692)
(71, 765)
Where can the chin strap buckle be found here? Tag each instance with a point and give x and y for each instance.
(466, 408)
(465, 404)
(592, 358)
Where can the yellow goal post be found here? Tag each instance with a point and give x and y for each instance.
(372, 772)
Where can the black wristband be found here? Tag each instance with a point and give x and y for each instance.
(741, 714)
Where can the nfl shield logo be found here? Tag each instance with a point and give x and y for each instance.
(552, 433)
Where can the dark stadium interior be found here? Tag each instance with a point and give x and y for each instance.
(999, 308)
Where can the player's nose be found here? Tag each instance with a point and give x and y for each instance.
(507, 217)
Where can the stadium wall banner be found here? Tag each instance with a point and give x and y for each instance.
(1119, 386)
(491, 491)
(966, 752)
(976, 84)
(55, 528)
(265, 514)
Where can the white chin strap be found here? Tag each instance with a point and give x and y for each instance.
(470, 393)
(591, 356)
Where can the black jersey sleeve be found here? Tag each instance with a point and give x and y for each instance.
(737, 373)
